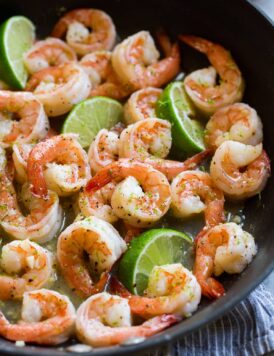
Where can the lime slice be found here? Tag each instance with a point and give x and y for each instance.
(16, 37)
(155, 247)
(90, 116)
(175, 106)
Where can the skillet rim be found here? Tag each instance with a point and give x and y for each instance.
(175, 332)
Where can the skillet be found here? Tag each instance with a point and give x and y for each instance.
(241, 28)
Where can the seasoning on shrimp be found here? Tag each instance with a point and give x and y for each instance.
(103, 245)
(76, 25)
(22, 118)
(59, 88)
(236, 122)
(105, 320)
(224, 248)
(201, 85)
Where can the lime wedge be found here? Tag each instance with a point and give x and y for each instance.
(176, 107)
(90, 116)
(16, 37)
(156, 247)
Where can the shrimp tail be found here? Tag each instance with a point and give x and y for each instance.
(118, 288)
(164, 42)
(198, 43)
(131, 232)
(193, 161)
(101, 179)
(100, 286)
(161, 322)
(212, 289)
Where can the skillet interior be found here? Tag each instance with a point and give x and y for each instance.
(249, 36)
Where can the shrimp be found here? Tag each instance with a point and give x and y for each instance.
(201, 85)
(105, 320)
(171, 289)
(146, 140)
(141, 105)
(224, 248)
(48, 53)
(236, 122)
(193, 192)
(102, 76)
(22, 118)
(100, 241)
(47, 318)
(59, 164)
(59, 88)
(240, 171)
(31, 262)
(98, 204)
(86, 30)
(44, 218)
(142, 195)
(103, 150)
(135, 61)
(20, 156)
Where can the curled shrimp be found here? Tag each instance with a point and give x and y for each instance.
(224, 248)
(141, 105)
(193, 192)
(60, 164)
(236, 122)
(20, 157)
(98, 204)
(146, 140)
(100, 241)
(22, 118)
(240, 170)
(201, 85)
(86, 30)
(48, 53)
(44, 218)
(103, 78)
(59, 88)
(31, 262)
(105, 320)
(172, 289)
(135, 61)
(103, 150)
(142, 194)
(47, 318)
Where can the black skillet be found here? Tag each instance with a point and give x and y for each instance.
(250, 37)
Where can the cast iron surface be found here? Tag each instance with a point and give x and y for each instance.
(250, 37)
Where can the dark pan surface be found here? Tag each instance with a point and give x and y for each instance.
(250, 37)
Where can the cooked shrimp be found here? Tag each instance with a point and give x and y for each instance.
(142, 195)
(30, 262)
(22, 118)
(86, 30)
(146, 140)
(59, 88)
(193, 192)
(103, 150)
(98, 204)
(105, 320)
(240, 170)
(60, 164)
(236, 122)
(100, 241)
(47, 318)
(141, 105)
(135, 61)
(171, 289)
(44, 218)
(202, 86)
(48, 53)
(224, 248)
(20, 157)
(102, 76)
